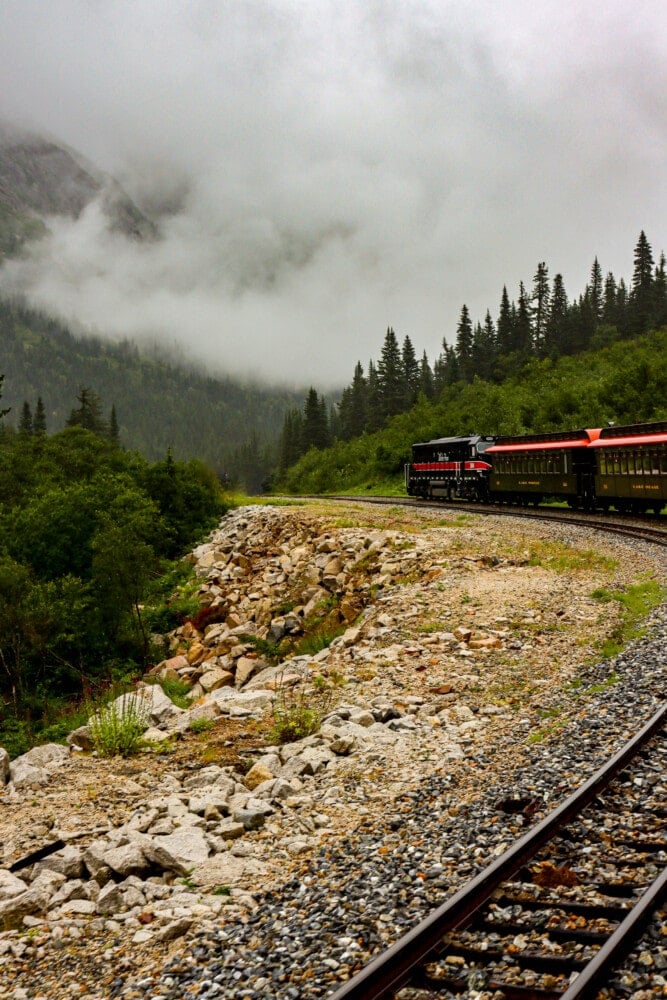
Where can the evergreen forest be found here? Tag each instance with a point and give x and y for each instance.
(159, 403)
(546, 362)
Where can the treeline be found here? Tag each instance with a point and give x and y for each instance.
(160, 404)
(542, 323)
(625, 382)
(86, 530)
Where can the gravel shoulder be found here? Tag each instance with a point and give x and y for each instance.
(523, 715)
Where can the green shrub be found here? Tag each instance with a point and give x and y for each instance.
(299, 708)
(15, 736)
(199, 726)
(117, 726)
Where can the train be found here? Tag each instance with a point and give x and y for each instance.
(624, 467)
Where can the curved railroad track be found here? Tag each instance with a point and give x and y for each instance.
(639, 529)
(553, 916)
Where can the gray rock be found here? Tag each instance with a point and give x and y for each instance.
(23, 774)
(81, 738)
(229, 700)
(68, 861)
(49, 753)
(185, 847)
(33, 901)
(10, 885)
(4, 766)
(126, 860)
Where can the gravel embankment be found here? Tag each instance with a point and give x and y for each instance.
(350, 902)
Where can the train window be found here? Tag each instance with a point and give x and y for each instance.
(624, 465)
(602, 464)
(663, 464)
(617, 465)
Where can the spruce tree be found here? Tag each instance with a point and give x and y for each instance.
(597, 292)
(641, 294)
(358, 402)
(410, 374)
(39, 420)
(504, 325)
(114, 431)
(426, 386)
(540, 299)
(464, 339)
(375, 410)
(315, 424)
(523, 333)
(25, 423)
(555, 335)
(89, 413)
(390, 376)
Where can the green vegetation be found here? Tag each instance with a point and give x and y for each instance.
(624, 382)
(636, 601)
(299, 708)
(200, 726)
(118, 723)
(161, 403)
(546, 363)
(86, 532)
(561, 557)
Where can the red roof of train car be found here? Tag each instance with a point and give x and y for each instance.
(539, 446)
(625, 441)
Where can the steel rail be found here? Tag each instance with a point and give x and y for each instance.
(393, 968)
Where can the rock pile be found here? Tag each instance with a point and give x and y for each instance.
(416, 630)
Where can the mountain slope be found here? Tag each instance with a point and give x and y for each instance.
(160, 404)
(39, 178)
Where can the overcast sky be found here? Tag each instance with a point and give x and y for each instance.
(333, 168)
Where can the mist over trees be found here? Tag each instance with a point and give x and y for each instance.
(543, 323)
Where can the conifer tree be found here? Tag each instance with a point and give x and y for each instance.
(464, 339)
(484, 348)
(540, 299)
(609, 305)
(555, 336)
(426, 378)
(357, 416)
(504, 336)
(523, 334)
(375, 418)
(390, 376)
(315, 432)
(89, 413)
(114, 431)
(641, 294)
(597, 292)
(410, 374)
(25, 423)
(39, 419)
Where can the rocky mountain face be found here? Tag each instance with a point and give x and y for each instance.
(40, 178)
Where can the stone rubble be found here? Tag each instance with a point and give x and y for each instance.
(192, 852)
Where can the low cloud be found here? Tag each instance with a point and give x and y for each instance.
(323, 171)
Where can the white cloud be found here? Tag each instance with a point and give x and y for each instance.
(336, 167)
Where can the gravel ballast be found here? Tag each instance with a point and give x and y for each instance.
(389, 859)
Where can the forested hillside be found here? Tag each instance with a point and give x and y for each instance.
(159, 404)
(625, 382)
(546, 363)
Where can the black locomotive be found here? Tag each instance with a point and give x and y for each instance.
(620, 467)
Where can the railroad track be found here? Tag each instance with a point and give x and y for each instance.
(636, 528)
(559, 910)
